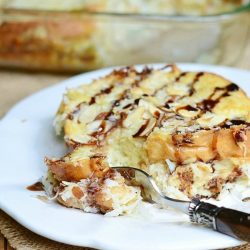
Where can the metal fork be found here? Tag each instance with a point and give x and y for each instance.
(224, 220)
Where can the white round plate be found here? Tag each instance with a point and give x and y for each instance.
(26, 136)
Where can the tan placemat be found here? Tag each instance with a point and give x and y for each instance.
(13, 87)
(23, 239)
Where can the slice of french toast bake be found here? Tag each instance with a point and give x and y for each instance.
(189, 130)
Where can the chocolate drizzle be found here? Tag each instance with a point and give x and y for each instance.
(71, 115)
(123, 72)
(204, 106)
(111, 120)
(196, 79)
(208, 104)
(229, 123)
(166, 105)
(191, 89)
(240, 136)
(38, 186)
(188, 108)
(102, 116)
(101, 129)
(137, 101)
(232, 87)
(103, 91)
(107, 115)
(142, 75)
(177, 79)
(142, 128)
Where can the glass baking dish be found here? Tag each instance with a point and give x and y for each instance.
(81, 41)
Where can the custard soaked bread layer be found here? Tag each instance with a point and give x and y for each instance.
(189, 130)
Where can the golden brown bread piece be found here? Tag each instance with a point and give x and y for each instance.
(108, 193)
(68, 171)
(80, 164)
(203, 145)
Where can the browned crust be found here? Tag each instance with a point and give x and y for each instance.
(97, 196)
(75, 171)
(214, 185)
(204, 145)
(186, 180)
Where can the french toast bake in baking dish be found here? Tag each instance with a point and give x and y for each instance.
(194, 7)
(80, 35)
(189, 130)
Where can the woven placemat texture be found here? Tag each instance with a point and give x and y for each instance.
(19, 237)
(23, 239)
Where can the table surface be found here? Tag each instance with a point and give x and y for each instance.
(16, 85)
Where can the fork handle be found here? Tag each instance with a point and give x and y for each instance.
(224, 220)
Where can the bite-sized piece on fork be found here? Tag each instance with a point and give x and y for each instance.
(109, 193)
